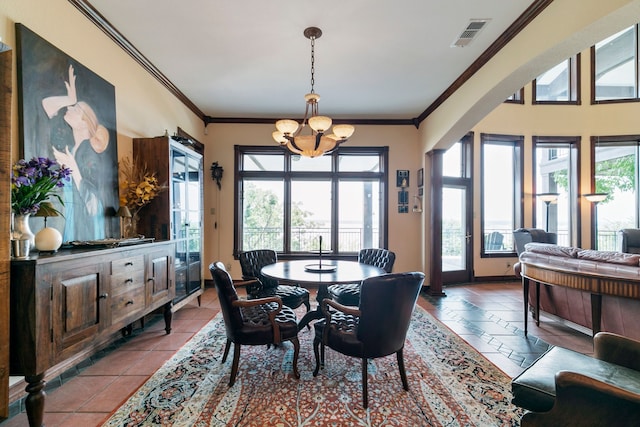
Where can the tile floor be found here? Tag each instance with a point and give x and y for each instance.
(488, 316)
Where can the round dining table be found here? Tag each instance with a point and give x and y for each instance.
(310, 272)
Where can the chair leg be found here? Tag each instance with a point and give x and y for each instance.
(316, 346)
(403, 373)
(365, 391)
(236, 362)
(307, 304)
(296, 353)
(226, 350)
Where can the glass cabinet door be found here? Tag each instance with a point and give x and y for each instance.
(193, 222)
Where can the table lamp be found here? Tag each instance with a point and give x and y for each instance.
(123, 212)
(48, 239)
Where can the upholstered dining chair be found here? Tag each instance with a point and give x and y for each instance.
(349, 293)
(253, 322)
(377, 328)
(251, 262)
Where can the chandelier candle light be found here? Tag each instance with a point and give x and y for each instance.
(317, 142)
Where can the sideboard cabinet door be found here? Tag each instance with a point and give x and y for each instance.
(79, 306)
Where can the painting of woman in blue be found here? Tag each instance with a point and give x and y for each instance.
(69, 115)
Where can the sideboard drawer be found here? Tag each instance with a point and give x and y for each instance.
(127, 304)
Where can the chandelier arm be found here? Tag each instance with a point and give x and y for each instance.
(318, 138)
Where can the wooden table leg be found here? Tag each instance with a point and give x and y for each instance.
(596, 312)
(35, 400)
(168, 316)
(323, 292)
(536, 312)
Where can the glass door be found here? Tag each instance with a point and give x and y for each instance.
(457, 240)
(193, 224)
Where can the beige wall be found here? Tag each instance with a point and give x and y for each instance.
(404, 229)
(146, 108)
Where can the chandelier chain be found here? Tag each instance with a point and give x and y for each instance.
(313, 62)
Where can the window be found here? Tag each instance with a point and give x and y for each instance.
(501, 160)
(516, 98)
(286, 202)
(614, 70)
(560, 84)
(616, 174)
(556, 171)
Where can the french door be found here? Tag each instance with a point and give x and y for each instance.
(457, 226)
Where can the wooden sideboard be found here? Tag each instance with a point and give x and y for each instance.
(67, 306)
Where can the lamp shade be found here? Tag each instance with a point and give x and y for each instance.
(548, 197)
(123, 212)
(287, 126)
(46, 209)
(343, 131)
(596, 197)
(320, 123)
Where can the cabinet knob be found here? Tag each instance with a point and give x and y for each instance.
(128, 263)
(129, 302)
(151, 279)
(104, 296)
(129, 280)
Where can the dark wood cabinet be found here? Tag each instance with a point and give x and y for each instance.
(67, 306)
(175, 214)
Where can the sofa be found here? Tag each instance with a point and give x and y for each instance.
(598, 290)
(567, 388)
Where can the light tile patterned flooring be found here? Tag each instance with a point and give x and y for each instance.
(489, 316)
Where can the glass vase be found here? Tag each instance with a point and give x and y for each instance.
(20, 229)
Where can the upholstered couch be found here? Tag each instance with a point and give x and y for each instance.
(575, 283)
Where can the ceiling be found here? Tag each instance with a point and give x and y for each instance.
(376, 60)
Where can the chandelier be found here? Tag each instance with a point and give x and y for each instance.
(317, 142)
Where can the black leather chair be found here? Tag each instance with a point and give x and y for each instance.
(253, 322)
(251, 262)
(377, 328)
(629, 240)
(349, 293)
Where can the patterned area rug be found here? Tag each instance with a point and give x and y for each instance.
(450, 385)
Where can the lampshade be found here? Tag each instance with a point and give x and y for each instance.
(548, 197)
(287, 126)
(596, 197)
(320, 123)
(46, 209)
(123, 212)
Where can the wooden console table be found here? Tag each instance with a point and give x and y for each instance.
(69, 305)
(594, 283)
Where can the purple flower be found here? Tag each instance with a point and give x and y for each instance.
(34, 181)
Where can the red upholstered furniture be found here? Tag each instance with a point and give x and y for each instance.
(261, 321)
(377, 328)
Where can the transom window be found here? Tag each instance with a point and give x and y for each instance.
(615, 67)
(287, 202)
(560, 84)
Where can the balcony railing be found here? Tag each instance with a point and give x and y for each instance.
(306, 239)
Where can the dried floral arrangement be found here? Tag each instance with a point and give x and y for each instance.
(138, 186)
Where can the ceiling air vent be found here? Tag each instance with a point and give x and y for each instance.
(469, 33)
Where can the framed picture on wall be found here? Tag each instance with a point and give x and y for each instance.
(68, 113)
(420, 177)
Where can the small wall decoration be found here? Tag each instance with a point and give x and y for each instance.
(402, 178)
(420, 177)
(216, 174)
(68, 113)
